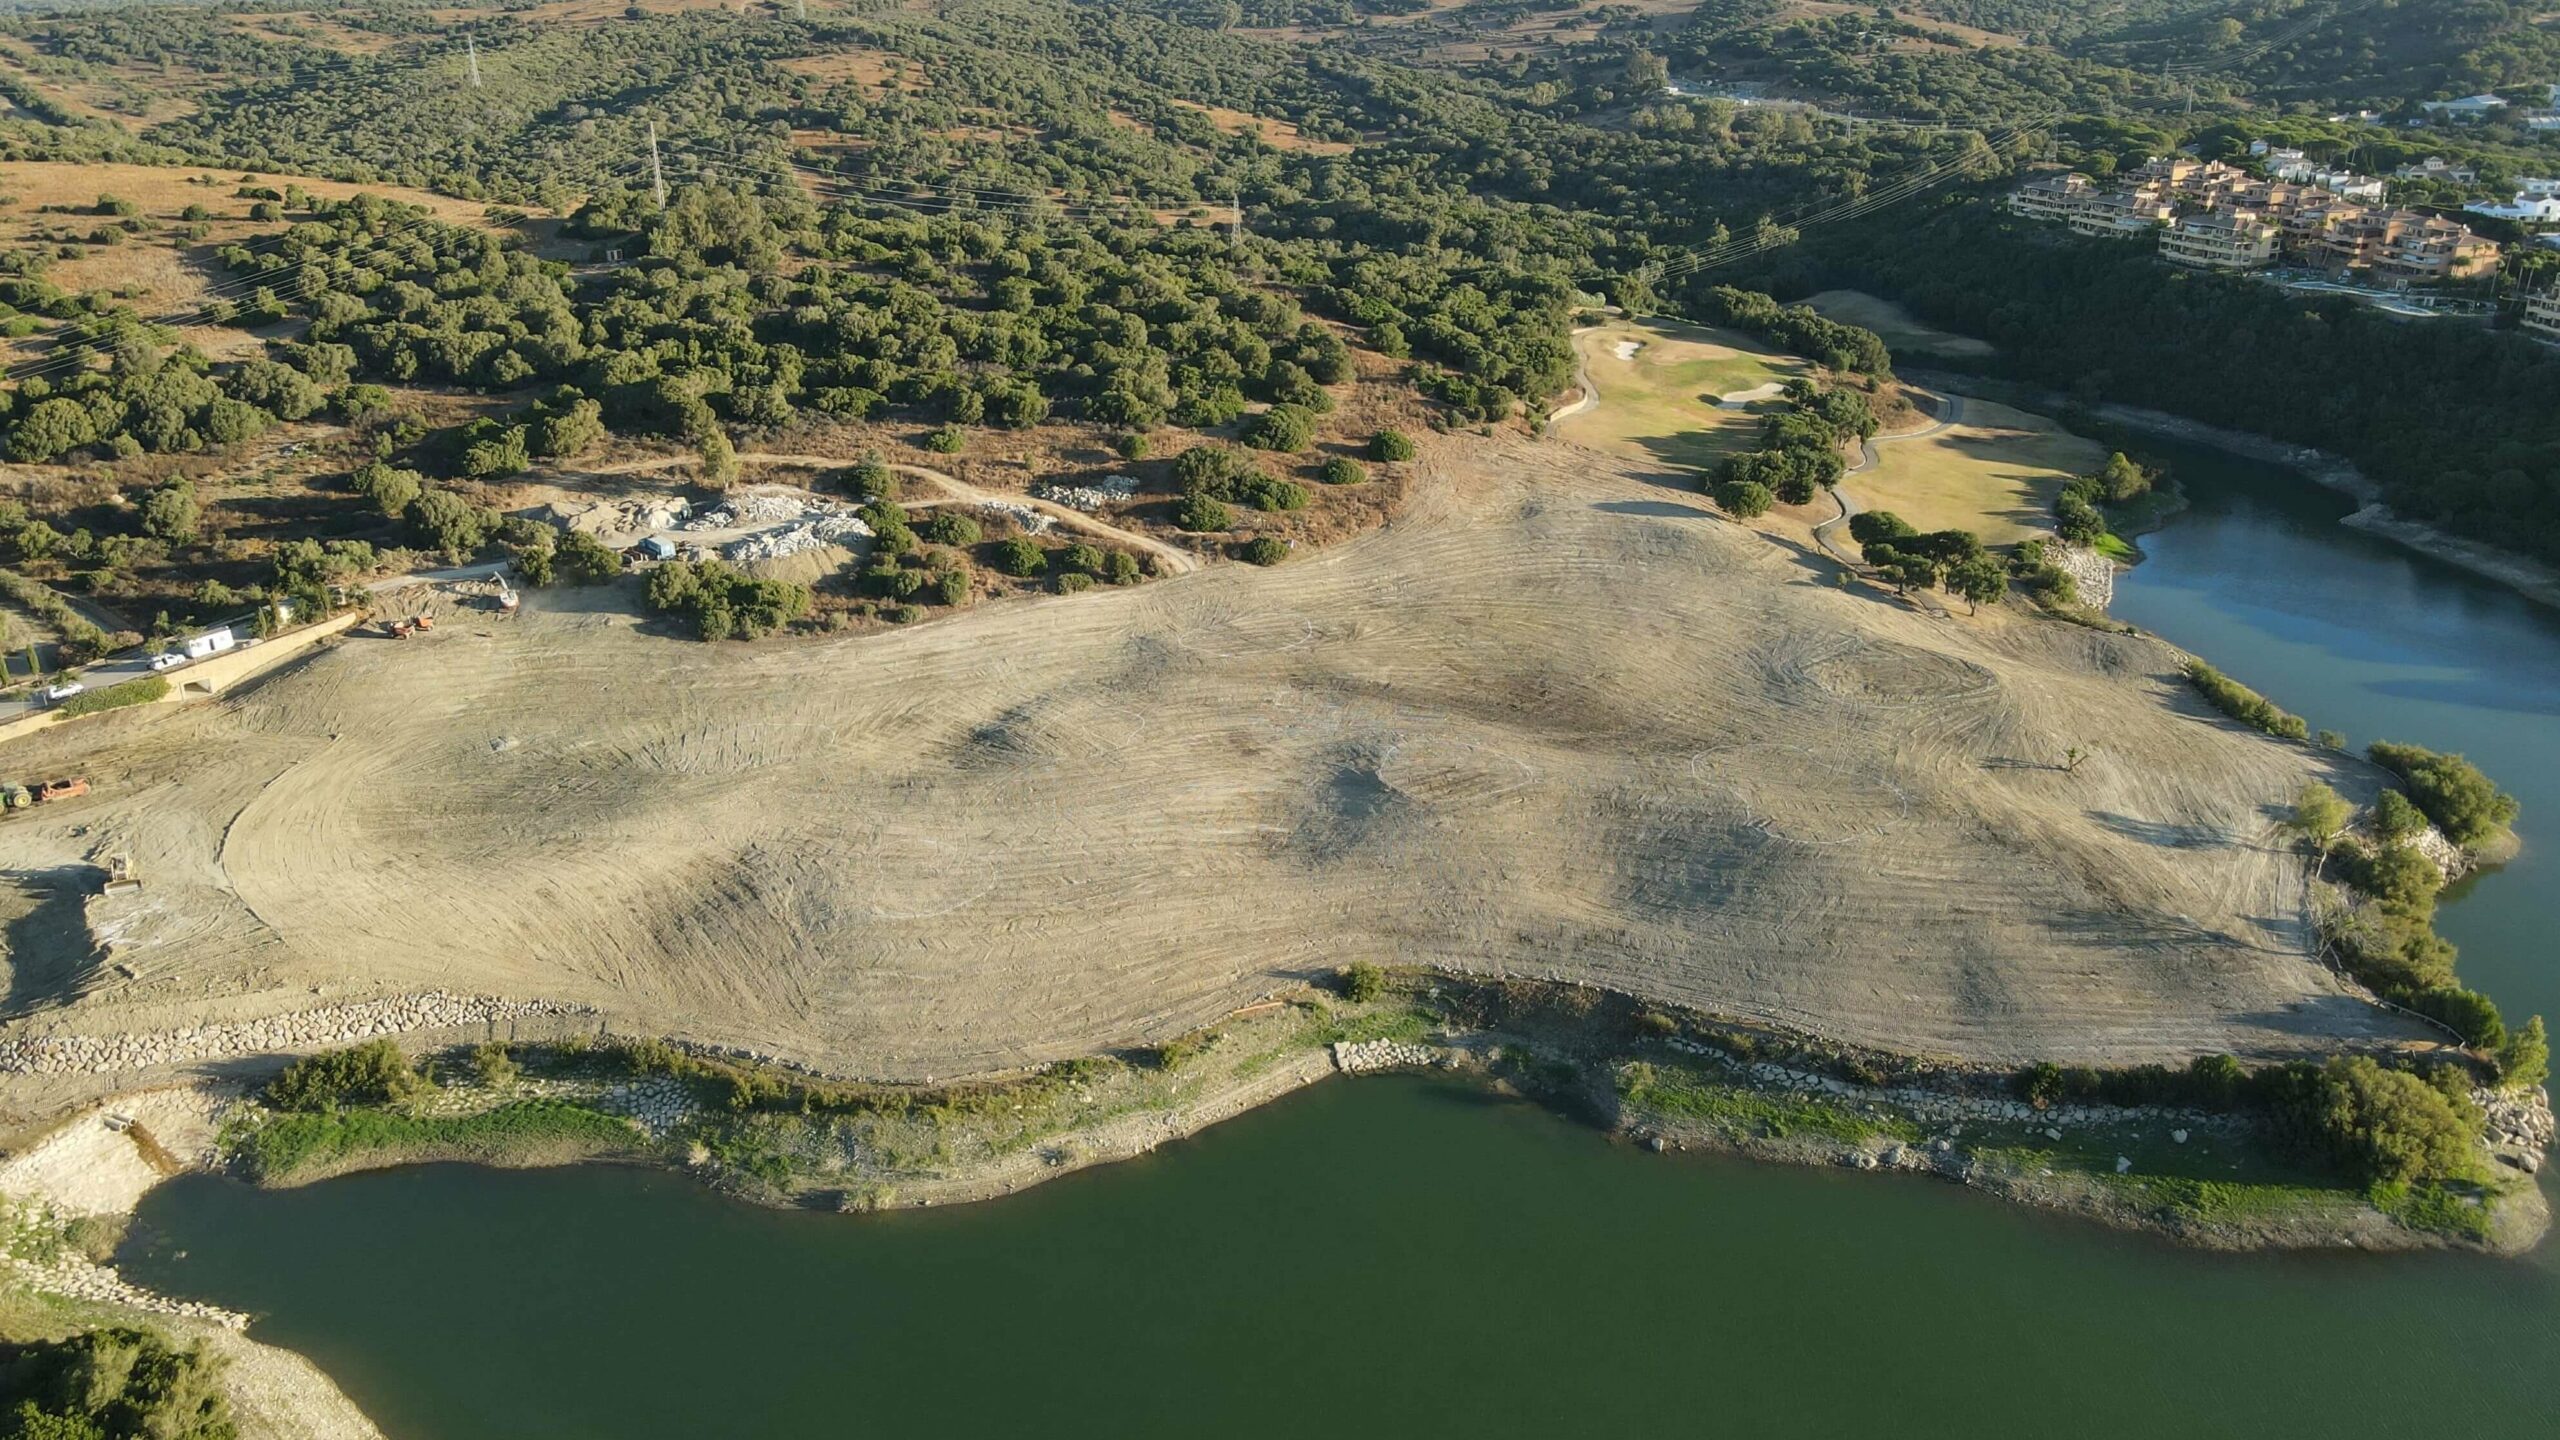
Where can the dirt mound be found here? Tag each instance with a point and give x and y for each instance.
(1544, 724)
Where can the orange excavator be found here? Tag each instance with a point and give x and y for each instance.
(404, 628)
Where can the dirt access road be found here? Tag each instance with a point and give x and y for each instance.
(1559, 719)
(1170, 559)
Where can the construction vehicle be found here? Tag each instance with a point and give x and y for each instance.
(402, 629)
(508, 599)
(14, 796)
(120, 876)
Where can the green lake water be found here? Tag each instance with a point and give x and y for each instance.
(1408, 1257)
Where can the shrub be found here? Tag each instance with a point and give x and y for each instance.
(950, 527)
(2244, 704)
(951, 587)
(946, 440)
(141, 690)
(871, 479)
(583, 559)
(1121, 568)
(1083, 557)
(1744, 499)
(1199, 513)
(1285, 428)
(1340, 470)
(1390, 446)
(1361, 982)
(1073, 582)
(1263, 550)
(493, 1064)
(118, 1381)
(2451, 790)
(369, 1074)
(1133, 446)
(1021, 557)
(2384, 1127)
(721, 602)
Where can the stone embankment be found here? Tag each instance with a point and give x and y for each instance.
(74, 1276)
(299, 1030)
(657, 1105)
(2093, 575)
(1947, 1107)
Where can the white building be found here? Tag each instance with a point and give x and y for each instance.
(2524, 210)
(2542, 315)
(2469, 110)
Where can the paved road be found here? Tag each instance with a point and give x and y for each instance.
(1950, 412)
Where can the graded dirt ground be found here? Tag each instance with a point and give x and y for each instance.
(1996, 473)
(1902, 332)
(1556, 719)
(1659, 385)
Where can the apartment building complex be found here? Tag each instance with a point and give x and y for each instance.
(2542, 315)
(2214, 216)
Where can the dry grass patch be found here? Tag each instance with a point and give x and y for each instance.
(1659, 384)
(1902, 332)
(868, 69)
(1278, 134)
(1995, 474)
(158, 271)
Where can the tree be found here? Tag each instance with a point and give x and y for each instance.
(1264, 550)
(1198, 513)
(1980, 579)
(170, 513)
(1744, 499)
(2395, 820)
(568, 431)
(2078, 521)
(1021, 557)
(2121, 479)
(1340, 470)
(445, 521)
(950, 527)
(2320, 815)
(1390, 446)
(719, 460)
(2525, 1060)
(1284, 428)
(2072, 758)
(2451, 790)
(50, 428)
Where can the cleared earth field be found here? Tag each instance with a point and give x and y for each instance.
(1659, 385)
(1558, 719)
(1996, 473)
(1902, 332)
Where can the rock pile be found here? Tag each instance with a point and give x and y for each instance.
(1033, 522)
(1353, 1057)
(315, 1029)
(2519, 1124)
(792, 539)
(1089, 498)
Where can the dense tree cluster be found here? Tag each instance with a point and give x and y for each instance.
(719, 602)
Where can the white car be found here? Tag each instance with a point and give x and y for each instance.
(167, 660)
(64, 691)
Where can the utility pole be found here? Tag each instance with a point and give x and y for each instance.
(471, 57)
(1235, 232)
(657, 174)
